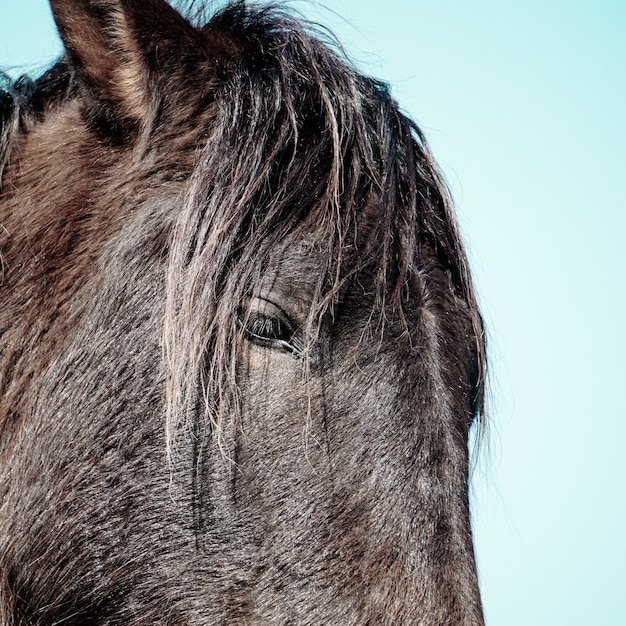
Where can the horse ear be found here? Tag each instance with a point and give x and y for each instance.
(119, 48)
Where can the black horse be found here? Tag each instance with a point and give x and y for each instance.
(240, 351)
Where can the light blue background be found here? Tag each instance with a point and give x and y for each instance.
(523, 103)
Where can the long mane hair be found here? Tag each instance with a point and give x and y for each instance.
(327, 154)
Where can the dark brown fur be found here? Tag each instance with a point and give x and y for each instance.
(240, 351)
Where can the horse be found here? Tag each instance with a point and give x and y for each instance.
(240, 347)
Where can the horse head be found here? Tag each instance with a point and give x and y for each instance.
(241, 351)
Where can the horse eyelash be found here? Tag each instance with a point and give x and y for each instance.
(269, 331)
(268, 327)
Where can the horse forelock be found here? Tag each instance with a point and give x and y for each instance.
(303, 148)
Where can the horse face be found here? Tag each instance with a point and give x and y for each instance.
(317, 415)
(351, 464)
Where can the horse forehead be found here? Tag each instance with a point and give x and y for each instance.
(294, 277)
(295, 274)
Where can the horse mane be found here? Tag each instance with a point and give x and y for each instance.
(24, 97)
(13, 100)
(302, 146)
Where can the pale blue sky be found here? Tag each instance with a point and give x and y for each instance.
(523, 104)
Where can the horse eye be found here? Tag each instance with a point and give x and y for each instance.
(269, 327)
